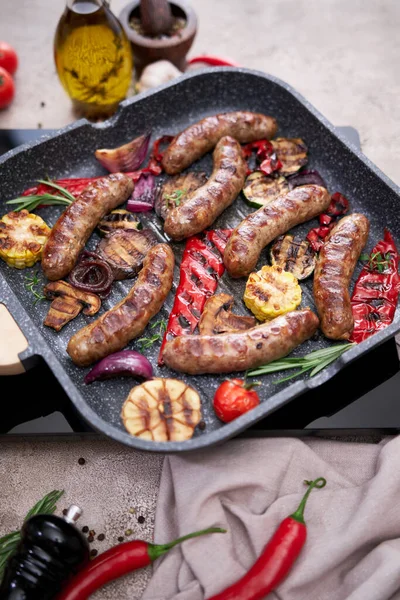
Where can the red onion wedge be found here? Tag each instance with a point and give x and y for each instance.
(126, 363)
(305, 177)
(128, 157)
(144, 194)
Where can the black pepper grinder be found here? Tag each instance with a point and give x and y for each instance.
(50, 551)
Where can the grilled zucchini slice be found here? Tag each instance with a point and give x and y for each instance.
(259, 189)
(292, 152)
(22, 237)
(162, 410)
(175, 190)
(271, 292)
(294, 255)
(118, 219)
(125, 251)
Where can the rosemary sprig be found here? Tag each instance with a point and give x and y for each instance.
(9, 542)
(147, 342)
(376, 261)
(313, 362)
(175, 197)
(29, 203)
(32, 281)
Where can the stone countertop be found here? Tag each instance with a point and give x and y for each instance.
(342, 56)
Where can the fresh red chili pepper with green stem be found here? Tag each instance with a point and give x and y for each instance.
(119, 561)
(276, 559)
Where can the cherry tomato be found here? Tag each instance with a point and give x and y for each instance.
(8, 58)
(7, 88)
(233, 398)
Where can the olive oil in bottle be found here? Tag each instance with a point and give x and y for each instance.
(93, 57)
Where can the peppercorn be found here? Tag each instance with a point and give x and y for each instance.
(65, 511)
(202, 425)
(85, 529)
(81, 461)
(92, 532)
(121, 539)
(90, 539)
(128, 532)
(141, 519)
(132, 511)
(101, 537)
(94, 552)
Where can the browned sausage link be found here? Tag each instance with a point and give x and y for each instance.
(198, 139)
(72, 230)
(206, 203)
(261, 227)
(125, 321)
(334, 269)
(228, 352)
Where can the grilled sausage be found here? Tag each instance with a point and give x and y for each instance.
(261, 227)
(205, 204)
(228, 352)
(72, 230)
(115, 328)
(198, 139)
(334, 269)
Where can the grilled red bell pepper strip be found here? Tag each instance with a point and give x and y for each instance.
(338, 206)
(277, 558)
(154, 165)
(201, 268)
(375, 295)
(74, 186)
(264, 154)
(119, 561)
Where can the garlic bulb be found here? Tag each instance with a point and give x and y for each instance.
(156, 74)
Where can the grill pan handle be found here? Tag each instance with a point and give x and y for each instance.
(12, 343)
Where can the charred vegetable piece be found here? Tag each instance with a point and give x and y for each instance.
(125, 251)
(144, 194)
(22, 237)
(92, 274)
(162, 410)
(271, 292)
(118, 219)
(217, 317)
(127, 363)
(67, 303)
(291, 152)
(201, 268)
(294, 255)
(175, 190)
(259, 189)
(128, 157)
(306, 177)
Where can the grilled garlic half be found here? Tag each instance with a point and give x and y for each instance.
(162, 410)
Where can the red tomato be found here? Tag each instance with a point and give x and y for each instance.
(7, 88)
(8, 58)
(233, 398)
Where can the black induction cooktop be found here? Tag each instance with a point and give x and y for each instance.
(363, 398)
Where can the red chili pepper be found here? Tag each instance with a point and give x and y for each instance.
(73, 185)
(265, 155)
(119, 561)
(277, 558)
(214, 61)
(375, 295)
(201, 268)
(338, 206)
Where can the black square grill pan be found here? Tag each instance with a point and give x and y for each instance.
(169, 109)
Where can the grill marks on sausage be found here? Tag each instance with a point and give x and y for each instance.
(128, 319)
(333, 271)
(261, 227)
(205, 204)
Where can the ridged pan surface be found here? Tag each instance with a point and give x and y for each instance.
(70, 153)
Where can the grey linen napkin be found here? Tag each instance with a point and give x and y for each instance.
(353, 547)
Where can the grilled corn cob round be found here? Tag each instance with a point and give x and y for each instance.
(22, 237)
(271, 292)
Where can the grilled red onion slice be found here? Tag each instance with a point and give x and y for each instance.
(305, 177)
(144, 194)
(92, 274)
(128, 157)
(126, 363)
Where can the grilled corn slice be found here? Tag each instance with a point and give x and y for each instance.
(22, 237)
(162, 410)
(271, 292)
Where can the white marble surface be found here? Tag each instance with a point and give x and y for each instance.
(343, 55)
